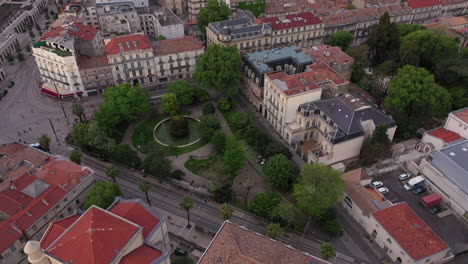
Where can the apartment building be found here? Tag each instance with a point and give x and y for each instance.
(332, 56)
(36, 189)
(96, 73)
(157, 21)
(248, 36)
(194, 6)
(136, 3)
(179, 7)
(119, 18)
(455, 27)
(129, 231)
(333, 130)
(16, 18)
(57, 52)
(255, 65)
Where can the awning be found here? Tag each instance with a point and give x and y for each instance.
(49, 92)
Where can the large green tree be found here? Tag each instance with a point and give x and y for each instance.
(283, 214)
(318, 189)
(383, 41)
(170, 104)
(234, 154)
(219, 141)
(341, 38)
(279, 171)
(207, 126)
(126, 155)
(91, 137)
(376, 146)
(77, 109)
(274, 230)
(183, 90)
(214, 11)
(425, 48)
(405, 29)
(413, 96)
(75, 156)
(156, 164)
(122, 103)
(219, 69)
(263, 203)
(102, 195)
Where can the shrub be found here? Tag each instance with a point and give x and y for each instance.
(222, 194)
(240, 120)
(208, 109)
(225, 104)
(177, 175)
(263, 203)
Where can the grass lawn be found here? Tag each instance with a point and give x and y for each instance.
(257, 8)
(211, 169)
(251, 155)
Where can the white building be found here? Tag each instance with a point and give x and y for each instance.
(118, 18)
(137, 3)
(457, 122)
(156, 21)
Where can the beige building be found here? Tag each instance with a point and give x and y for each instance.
(179, 7)
(37, 189)
(130, 231)
(157, 21)
(96, 74)
(457, 122)
(194, 6)
(119, 18)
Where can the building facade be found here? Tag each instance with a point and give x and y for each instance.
(179, 7)
(194, 6)
(160, 22)
(119, 18)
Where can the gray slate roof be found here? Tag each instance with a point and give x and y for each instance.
(261, 59)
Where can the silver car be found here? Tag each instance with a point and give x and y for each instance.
(404, 176)
(382, 190)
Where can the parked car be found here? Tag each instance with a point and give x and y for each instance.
(3, 93)
(382, 190)
(180, 252)
(434, 210)
(377, 184)
(404, 176)
(10, 84)
(419, 190)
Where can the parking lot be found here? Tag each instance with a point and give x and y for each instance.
(452, 230)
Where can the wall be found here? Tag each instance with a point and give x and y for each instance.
(454, 124)
(343, 151)
(435, 141)
(171, 31)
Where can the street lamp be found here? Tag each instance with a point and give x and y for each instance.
(59, 96)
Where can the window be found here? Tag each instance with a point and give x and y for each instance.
(389, 240)
(374, 234)
(13, 248)
(116, 68)
(398, 260)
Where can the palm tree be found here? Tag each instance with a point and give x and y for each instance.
(145, 187)
(225, 211)
(77, 109)
(75, 156)
(187, 204)
(327, 250)
(111, 172)
(44, 141)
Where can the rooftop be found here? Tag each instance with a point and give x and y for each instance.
(128, 43)
(328, 54)
(240, 28)
(234, 244)
(109, 8)
(70, 29)
(444, 134)
(422, 3)
(87, 62)
(263, 59)
(176, 45)
(462, 114)
(292, 21)
(9, 11)
(410, 231)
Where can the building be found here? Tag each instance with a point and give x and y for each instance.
(136, 3)
(194, 6)
(118, 18)
(16, 18)
(455, 27)
(424, 10)
(457, 122)
(57, 53)
(333, 130)
(36, 189)
(179, 7)
(96, 74)
(156, 21)
(236, 244)
(256, 64)
(250, 35)
(436, 139)
(128, 232)
(405, 237)
(446, 172)
(332, 56)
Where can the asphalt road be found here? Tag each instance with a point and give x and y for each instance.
(202, 214)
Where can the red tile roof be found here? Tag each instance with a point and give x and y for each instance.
(293, 21)
(237, 245)
(444, 134)
(86, 62)
(96, 237)
(76, 30)
(176, 45)
(141, 255)
(463, 114)
(328, 54)
(410, 231)
(128, 43)
(11, 201)
(422, 3)
(136, 213)
(57, 228)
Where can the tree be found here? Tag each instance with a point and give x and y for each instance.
(102, 195)
(376, 146)
(10, 58)
(75, 156)
(327, 250)
(318, 189)
(111, 172)
(225, 104)
(44, 142)
(187, 204)
(222, 194)
(183, 91)
(122, 103)
(214, 11)
(126, 155)
(170, 105)
(207, 126)
(279, 171)
(225, 211)
(360, 54)
(145, 187)
(413, 96)
(91, 137)
(341, 38)
(283, 214)
(219, 69)
(208, 109)
(384, 40)
(273, 148)
(77, 109)
(20, 56)
(234, 155)
(425, 48)
(263, 203)
(274, 230)
(240, 120)
(405, 29)
(219, 141)
(157, 165)
(179, 127)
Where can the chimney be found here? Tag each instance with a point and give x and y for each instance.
(35, 254)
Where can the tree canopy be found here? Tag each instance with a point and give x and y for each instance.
(170, 104)
(91, 137)
(384, 40)
(318, 189)
(207, 126)
(274, 230)
(405, 29)
(263, 203)
(225, 211)
(183, 91)
(279, 171)
(234, 154)
(219, 141)
(214, 11)
(75, 156)
(157, 165)
(376, 146)
(44, 142)
(341, 38)
(327, 250)
(219, 69)
(102, 195)
(283, 214)
(126, 155)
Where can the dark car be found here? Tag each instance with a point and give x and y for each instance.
(419, 190)
(10, 84)
(434, 210)
(3, 93)
(180, 252)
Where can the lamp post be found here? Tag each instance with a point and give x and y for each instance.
(59, 96)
